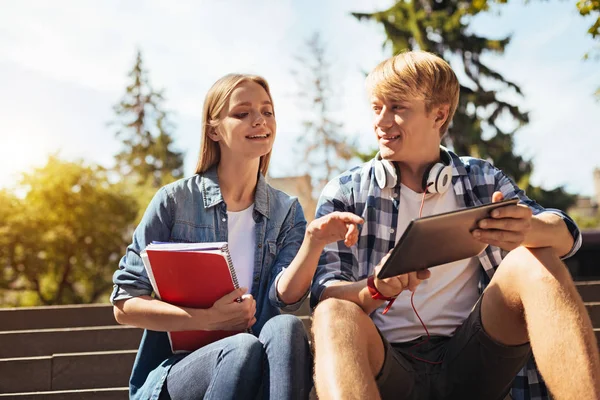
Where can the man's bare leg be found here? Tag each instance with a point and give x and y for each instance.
(532, 297)
(349, 352)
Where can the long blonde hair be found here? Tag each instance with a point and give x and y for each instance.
(216, 98)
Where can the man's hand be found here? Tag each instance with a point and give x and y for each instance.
(391, 287)
(334, 227)
(507, 227)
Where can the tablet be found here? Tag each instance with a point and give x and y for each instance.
(438, 239)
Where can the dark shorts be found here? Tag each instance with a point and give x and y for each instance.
(473, 365)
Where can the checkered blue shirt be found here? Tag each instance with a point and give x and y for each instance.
(356, 191)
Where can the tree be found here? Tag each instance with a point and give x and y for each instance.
(148, 156)
(441, 27)
(62, 243)
(592, 7)
(484, 124)
(325, 150)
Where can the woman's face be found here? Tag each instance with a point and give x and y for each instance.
(247, 123)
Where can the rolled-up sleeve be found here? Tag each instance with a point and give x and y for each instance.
(292, 236)
(130, 279)
(338, 262)
(510, 190)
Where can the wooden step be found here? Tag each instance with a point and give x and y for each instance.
(589, 290)
(121, 393)
(66, 371)
(45, 342)
(594, 311)
(47, 317)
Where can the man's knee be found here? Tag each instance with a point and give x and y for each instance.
(530, 267)
(336, 310)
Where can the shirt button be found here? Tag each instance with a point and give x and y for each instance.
(224, 219)
(260, 245)
(392, 230)
(394, 195)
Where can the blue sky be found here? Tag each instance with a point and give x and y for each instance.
(63, 65)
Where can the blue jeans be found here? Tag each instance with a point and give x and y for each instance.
(278, 363)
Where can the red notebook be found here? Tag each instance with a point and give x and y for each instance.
(191, 275)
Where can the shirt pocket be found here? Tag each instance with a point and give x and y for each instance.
(270, 254)
(185, 232)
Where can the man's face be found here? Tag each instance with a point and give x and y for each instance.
(405, 131)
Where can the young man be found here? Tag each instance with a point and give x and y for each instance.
(480, 340)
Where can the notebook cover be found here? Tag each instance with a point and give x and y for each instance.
(190, 279)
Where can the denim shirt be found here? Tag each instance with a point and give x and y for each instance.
(193, 210)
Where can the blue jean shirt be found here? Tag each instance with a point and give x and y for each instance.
(193, 210)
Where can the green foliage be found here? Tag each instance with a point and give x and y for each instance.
(144, 128)
(442, 27)
(591, 8)
(555, 198)
(584, 222)
(61, 242)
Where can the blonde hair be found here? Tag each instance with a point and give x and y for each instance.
(216, 98)
(417, 74)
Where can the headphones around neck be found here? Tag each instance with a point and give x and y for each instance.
(436, 179)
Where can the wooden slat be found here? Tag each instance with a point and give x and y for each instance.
(66, 371)
(25, 374)
(88, 394)
(92, 370)
(45, 342)
(589, 290)
(594, 311)
(47, 317)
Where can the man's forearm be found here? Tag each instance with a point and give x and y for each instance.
(549, 230)
(356, 292)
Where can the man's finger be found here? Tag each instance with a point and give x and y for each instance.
(497, 197)
(516, 211)
(423, 274)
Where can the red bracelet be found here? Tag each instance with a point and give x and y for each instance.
(377, 295)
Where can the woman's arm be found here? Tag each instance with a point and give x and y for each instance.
(297, 277)
(150, 313)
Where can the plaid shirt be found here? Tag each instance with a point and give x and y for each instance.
(356, 191)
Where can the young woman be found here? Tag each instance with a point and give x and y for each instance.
(274, 256)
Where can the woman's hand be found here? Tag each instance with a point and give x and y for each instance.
(229, 315)
(334, 227)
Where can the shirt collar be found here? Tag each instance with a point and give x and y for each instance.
(211, 191)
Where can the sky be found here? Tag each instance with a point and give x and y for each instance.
(64, 64)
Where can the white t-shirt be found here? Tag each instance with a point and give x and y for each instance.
(242, 241)
(443, 301)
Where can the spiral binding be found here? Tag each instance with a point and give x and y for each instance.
(225, 250)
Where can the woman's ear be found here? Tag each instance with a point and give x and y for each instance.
(213, 134)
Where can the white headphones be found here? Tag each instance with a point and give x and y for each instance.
(436, 179)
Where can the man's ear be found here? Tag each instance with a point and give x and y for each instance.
(441, 115)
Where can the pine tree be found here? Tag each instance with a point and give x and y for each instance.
(441, 27)
(325, 150)
(148, 156)
(484, 124)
